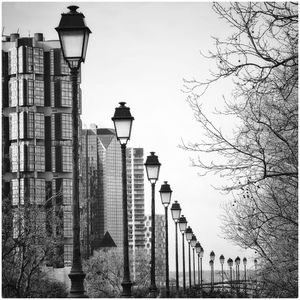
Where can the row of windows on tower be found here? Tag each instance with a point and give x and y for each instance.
(35, 60)
(32, 125)
(29, 158)
(36, 191)
(32, 92)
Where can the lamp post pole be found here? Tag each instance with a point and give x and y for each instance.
(193, 244)
(176, 257)
(198, 270)
(126, 284)
(167, 254)
(230, 263)
(201, 256)
(190, 273)
(222, 259)
(255, 270)
(72, 27)
(123, 123)
(165, 195)
(212, 258)
(183, 263)
(189, 235)
(152, 167)
(198, 249)
(153, 288)
(194, 266)
(176, 210)
(237, 262)
(182, 226)
(245, 274)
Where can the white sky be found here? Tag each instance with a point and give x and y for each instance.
(139, 52)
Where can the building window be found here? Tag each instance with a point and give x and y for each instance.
(13, 126)
(13, 153)
(66, 158)
(66, 126)
(12, 61)
(29, 60)
(12, 93)
(26, 158)
(40, 158)
(15, 191)
(40, 192)
(68, 254)
(66, 94)
(39, 126)
(67, 191)
(38, 60)
(39, 92)
(67, 224)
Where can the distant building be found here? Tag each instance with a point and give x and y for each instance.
(37, 134)
(135, 201)
(102, 187)
(160, 244)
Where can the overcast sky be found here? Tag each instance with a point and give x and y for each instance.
(139, 53)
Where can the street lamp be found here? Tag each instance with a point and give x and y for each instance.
(198, 249)
(193, 244)
(237, 263)
(123, 123)
(182, 227)
(176, 211)
(165, 195)
(152, 168)
(189, 235)
(245, 272)
(230, 264)
(73, 35)
(255, 269)
(222, 260)
(201, 256)
(211, 263)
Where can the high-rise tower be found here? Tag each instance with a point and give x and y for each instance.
(37, 134)
(102, 185)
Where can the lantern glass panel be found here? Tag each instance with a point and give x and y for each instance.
(175, 214)
(152, 172)
(182, 227)
(193, 243)
(198, 249)
(165, 198)
(188, 236)
(72, 42)
(85, 44)
(123, 129)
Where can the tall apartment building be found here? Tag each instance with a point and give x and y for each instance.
(135, 201)
(102, 183)
(37, 133)
(160, 246)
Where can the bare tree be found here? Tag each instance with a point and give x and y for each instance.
(261, 57)
(260, 157)
(26, 247)
(104, 272)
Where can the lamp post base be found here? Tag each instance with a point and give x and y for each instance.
(77, 287)
(126, 285)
